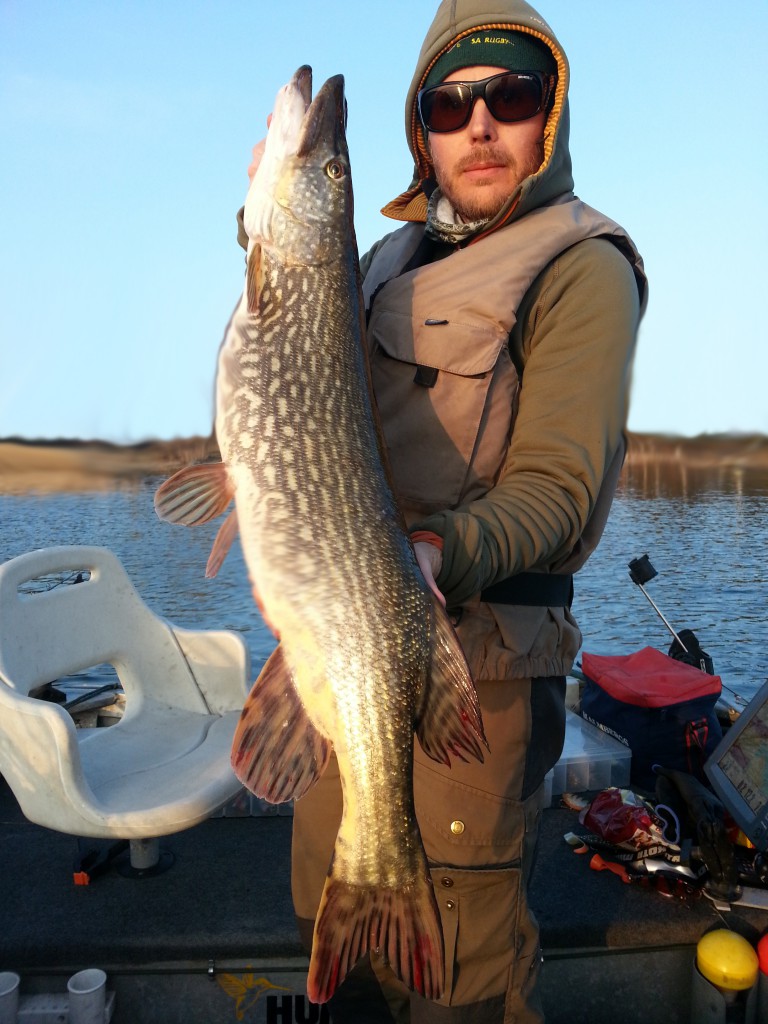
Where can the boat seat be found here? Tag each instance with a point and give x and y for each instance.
(165, 765)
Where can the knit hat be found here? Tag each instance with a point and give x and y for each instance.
(496, 48)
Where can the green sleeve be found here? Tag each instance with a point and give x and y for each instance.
(575, 338)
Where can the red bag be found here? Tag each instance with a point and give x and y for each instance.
(662, 709)
(621, 818)
(649, 678)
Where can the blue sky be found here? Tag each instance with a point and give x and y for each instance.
(126, 131)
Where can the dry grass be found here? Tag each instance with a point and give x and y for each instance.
(708, 451)
(48, 467)
(55, 466)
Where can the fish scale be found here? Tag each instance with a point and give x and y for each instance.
(367, 655)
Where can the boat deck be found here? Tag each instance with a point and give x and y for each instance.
(186, 945)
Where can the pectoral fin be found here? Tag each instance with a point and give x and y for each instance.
(449, 720)
(254, 278)
(277, 752)
(195, 495)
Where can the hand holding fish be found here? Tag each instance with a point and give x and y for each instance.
(257, 153)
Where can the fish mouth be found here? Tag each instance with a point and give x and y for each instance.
(304, 129)
(325, 117)
(302, 83)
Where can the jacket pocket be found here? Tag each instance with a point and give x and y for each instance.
(446, 392)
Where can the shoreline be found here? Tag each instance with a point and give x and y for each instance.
(65, 465)
(56, 466)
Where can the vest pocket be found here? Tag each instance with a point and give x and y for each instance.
(446, 393)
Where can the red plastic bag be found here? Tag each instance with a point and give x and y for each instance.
(622, 818)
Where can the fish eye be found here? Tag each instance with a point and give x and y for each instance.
(335, 169)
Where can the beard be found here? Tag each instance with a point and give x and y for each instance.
(483, 200)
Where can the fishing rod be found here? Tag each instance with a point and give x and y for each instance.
(641, 571)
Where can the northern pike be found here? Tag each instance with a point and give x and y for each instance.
(367, 655)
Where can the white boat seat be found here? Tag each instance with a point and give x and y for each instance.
(165, 765)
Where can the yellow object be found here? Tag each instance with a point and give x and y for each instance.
(742, 840)
(727, 960)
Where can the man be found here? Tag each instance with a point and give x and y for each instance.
(502, 325)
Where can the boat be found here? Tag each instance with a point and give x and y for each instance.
(213, 937)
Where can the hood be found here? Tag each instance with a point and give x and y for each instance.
(454, 20)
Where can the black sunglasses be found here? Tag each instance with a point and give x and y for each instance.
(510, 96)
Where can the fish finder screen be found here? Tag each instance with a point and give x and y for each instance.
(738, 769)
(746, 765)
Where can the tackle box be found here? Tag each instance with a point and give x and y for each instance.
(591, 760)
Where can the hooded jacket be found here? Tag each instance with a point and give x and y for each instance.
(565, 371)
(454, 20)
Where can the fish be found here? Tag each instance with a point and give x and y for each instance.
(367, 656)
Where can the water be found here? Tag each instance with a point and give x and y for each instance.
(707, 536)
(707, 539)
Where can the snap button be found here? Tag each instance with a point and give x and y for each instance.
(457, 827)
(449, 904)
(447, 882)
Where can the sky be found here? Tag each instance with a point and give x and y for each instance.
(125, 135)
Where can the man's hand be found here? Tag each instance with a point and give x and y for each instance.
(257, 154)
(430, 559)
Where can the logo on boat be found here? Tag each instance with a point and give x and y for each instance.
(260, 1001)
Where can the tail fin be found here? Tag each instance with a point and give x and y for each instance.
(402, 924)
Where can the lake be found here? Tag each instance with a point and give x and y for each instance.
(706, 533)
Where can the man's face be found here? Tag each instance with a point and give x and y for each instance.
(480, 165)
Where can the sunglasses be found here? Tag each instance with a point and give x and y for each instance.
(510, 96)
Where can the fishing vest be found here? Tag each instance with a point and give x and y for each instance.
(444, 380)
